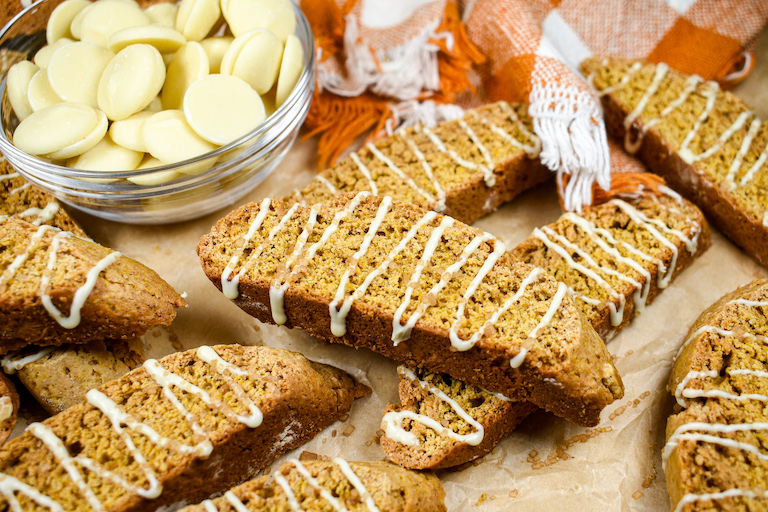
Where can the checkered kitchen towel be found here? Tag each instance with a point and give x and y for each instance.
(378, 57)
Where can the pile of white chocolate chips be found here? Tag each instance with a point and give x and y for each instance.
(120, 88)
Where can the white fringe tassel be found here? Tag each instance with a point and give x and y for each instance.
(402, 73)
(573, 140)
(427, 113)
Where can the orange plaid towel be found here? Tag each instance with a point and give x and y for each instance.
(379, 56)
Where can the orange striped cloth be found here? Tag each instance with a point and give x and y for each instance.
(379, 57)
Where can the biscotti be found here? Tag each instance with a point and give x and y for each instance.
(59, 377)
(616, 257)
(176, 430)
(9, 407)
(715, 456)
(419, 288)
(442, 422)
(464, 168)
(57, 288)
(20, 198)
(337, 485)
(705, 142)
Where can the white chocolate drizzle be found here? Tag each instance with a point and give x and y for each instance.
(81, 294)
(392, 420)
(367, 173)
(623, 81)
(399, 172)
(233, 500)
(356, 483)
(122, 421)
(43, 214)
(532, 150)
(658, 76)
(9, 176)
(11, 365)
(708, 496)
(322, 179)
(19, 260)
(489, 178)
(6, 408)
(487, 169)
(20, 189)
(209, 506)
(439, 206)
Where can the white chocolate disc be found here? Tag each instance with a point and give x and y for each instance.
(60, 127)
(61, 19)
(107, 156)
(165, 39)
(156, 105)
(255, 58)
(40, 94)
(163, 14)
(222, 108)
(106, 17)
(17, 85)
(131, 81)
(75, 70)
(196, 18)
(188, 65)
(169, 138)
(215, 48)
(274, 15)
(156, 178)
(77, 21)
(127, 132)
(290, 69)
(43, 55)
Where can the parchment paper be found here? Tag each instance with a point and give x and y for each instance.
(548, 463)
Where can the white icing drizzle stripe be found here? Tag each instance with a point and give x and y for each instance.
(9, 176)
(209, 506)
(19, 260)
(11, 366)
(489, 177)
(399, 172)
(338, 317)
(683, 391)
(42, 214)
(487, 169)
(20, 189)
(400, 332)
(623, 81)
(9, 486)
(356, 483)
(233, 500)
(440, 204)
(699, 331)
(710, 95)
(532, 150)
(367, 173)
(393, 419)
(745, 145)
(289, 495)
(230, 287)
(322, 179)
(750, 174)
(6, 408)
(327, 496)
(684, 433)
(730, 493)
(658, 76)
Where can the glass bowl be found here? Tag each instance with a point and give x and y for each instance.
(239, 166)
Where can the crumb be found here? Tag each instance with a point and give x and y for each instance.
(492, 497)
(324, 441)
(514, 493)
(333, 433)
(637, 495)
(483, 497)
(629, 353)
(305, 456)
(368, 443)
(348, 431)
(344, 418)
(267, 470)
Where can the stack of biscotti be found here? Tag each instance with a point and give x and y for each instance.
(58, 291)
(174, 431)
(706, 142)
(321, 486)
(419, 288)
(615, 258)
(715, 457)
(464, 168)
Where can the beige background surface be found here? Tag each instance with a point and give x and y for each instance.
(616, 466)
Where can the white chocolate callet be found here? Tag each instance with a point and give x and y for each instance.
(43, 56)
(106, 17)
(366, 172)
(164, 39)
(291, 67)
(400, 332)
(106, 156)
(196, 18)
(127, 132)
(169, 138)
(163, 14)
(61, 130)
(338, 318)
(130, 81)
(75, 69)
(189, 64)
(60, 20)
(215, 48)
(155, 178)
(40, 94)
(255, 58)
(17, 84)
(222, 108)
(77, 21)
(81, 294)
(276, 16)
(393, 419)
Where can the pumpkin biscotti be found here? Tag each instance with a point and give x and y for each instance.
(464, 168)
(716, 456)
(615, 258)
(57, 288)
(705, 142)
(320, 486)
(417, 287)
(173, 431)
